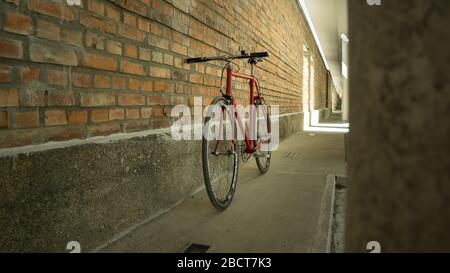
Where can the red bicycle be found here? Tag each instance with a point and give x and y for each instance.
(221, 141)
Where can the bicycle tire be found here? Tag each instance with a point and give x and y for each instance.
(207, 157)
(264, 166)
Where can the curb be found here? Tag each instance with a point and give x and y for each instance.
(322, 237)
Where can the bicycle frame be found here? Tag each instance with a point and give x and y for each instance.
(250, 147)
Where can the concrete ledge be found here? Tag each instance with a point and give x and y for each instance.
(91, 192)
(96, 192)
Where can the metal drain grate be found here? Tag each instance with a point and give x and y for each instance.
(290, 155)
(197, 248)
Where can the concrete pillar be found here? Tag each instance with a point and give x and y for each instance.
(345, 100)
(399, 163)
(345, 93)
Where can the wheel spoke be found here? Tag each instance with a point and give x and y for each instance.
(220, 165)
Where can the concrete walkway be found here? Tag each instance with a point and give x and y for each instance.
(286, 210)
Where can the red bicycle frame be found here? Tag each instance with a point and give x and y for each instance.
(250, 147)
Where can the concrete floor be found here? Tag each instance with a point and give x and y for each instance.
(286, 210)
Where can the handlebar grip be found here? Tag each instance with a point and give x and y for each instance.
(260, 54)
(194, 60)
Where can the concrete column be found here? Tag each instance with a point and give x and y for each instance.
(399, 163)
(345, 100)
(345, 93)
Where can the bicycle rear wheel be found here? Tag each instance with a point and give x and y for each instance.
(220, 153)
(264, 137)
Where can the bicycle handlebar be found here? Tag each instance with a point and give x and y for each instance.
(227, 58)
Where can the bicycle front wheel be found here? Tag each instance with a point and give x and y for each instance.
(220, 153)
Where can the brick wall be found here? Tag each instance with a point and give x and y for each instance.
(117, 66)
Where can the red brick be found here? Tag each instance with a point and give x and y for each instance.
(157, 57)
(181, 76)
(195, 78)
(67, 13)
(100, 24)
(132, 68)
(131, 33)
(32, 97)
(158, 72)
(119, 83)
(158, 42)
(4, 74)
(133, 6)
(207, 101)
(112, 13)
(200, 90)
(60, 98)
(180, 49)
(146, 85)
(179, 88)
(3, 119)
(200, 68)
(57, 77)
(182, 5)
(9, 97)
(72, 36)
(96, 41)
(104, 129)
(155, 28)
(99, 115)
(55, 117)
(55, 55)
(180, 38)
(144, 24)
(131, 99)
(157, 100)
(168, 59)
(81, 80)
(11, 49)
(48, 30)
(136, 125)
(46, 7)
(26, 119)
(133, 84)
(97, 99)
(114, 47)
(129, 19)
(17, 23)
(167, 10)
(96, 7)
(132, 113)
(146, 112)
(176, 100)
(157, 112)
(164, 87)
(144, 54)
(209, 81)
(180, 64)
(116, 114)
(99, 62)
(51, 8)
(102, 81)
(28, 74)
(130, 51)
(77, 117)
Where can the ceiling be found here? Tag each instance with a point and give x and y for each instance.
(329, 19)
